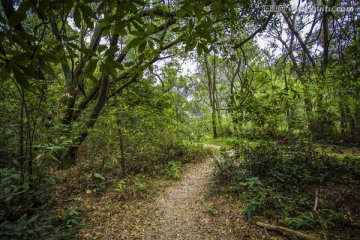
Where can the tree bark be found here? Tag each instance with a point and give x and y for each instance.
(211, 98)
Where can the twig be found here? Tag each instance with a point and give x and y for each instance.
(287, 231)
(316, 200)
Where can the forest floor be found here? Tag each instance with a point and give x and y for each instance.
(183, 209)
(193, 207)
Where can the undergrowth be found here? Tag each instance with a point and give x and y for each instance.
(26, 208)
(280, 180)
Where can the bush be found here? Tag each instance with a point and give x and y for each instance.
(26, 208)
(269, 175)
(172, 170)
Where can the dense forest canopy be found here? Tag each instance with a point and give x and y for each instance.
(105, 82)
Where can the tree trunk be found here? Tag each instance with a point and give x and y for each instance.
(211, 98)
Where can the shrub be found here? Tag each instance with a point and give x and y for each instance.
(171, 170)
(269, 175)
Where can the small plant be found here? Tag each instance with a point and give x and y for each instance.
(140, 184)
(172, 170)
(254, 194)
(305, 219)
(73, 217)
(97, 180)
(120, 186)
(209, 207)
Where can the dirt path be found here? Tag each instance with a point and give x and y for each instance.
(181, 210)
(185, 209)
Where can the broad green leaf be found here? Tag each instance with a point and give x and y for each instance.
(91, 77)
(26, 36)
(116, 64)
(198, 10)
(199, 49)
(129, 64)
(190, 46)
(110, 68)
(77, 17)
(91, 66)
(5, 72)
(104, 23)
(20, 77)
(18, 17)
(101, 48)
(138, 27)
(182, 12)
(49, 57)
(106, 68)
(54, 43)
(136, 42)
(23, 58)
(103, 69)
(111, 51)
(119, 29)
(142, 47)
(87, 14)
(19, 40)
(43, 7)
(28, 70)
(87, 52)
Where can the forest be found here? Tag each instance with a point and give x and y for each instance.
(179, 119)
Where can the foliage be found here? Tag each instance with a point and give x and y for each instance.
(100, 84)
(275, 179)
(172, 170)
(26, 209)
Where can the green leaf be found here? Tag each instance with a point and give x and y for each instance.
(17, 18)
(104, 23)
(20, 77)
(198, 10)
(116, 64)
(103, 69)
(136, 42)
(91, 77)
(33, 219)
(54, 43)
(77, 17)
(101, 48)
(199, 49)
(129, 64)
(5, 72)
(19, 40)
(91, 66)
(21, 58)
(142, 47)
(87, 14)
(111, 51)
(106, 68)
(190, 46)
(49, 57)
(138, 27)
(182, 12)
(28, 70)
(26, 36)
(87, 52)
(98, 175)
(119, 29)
